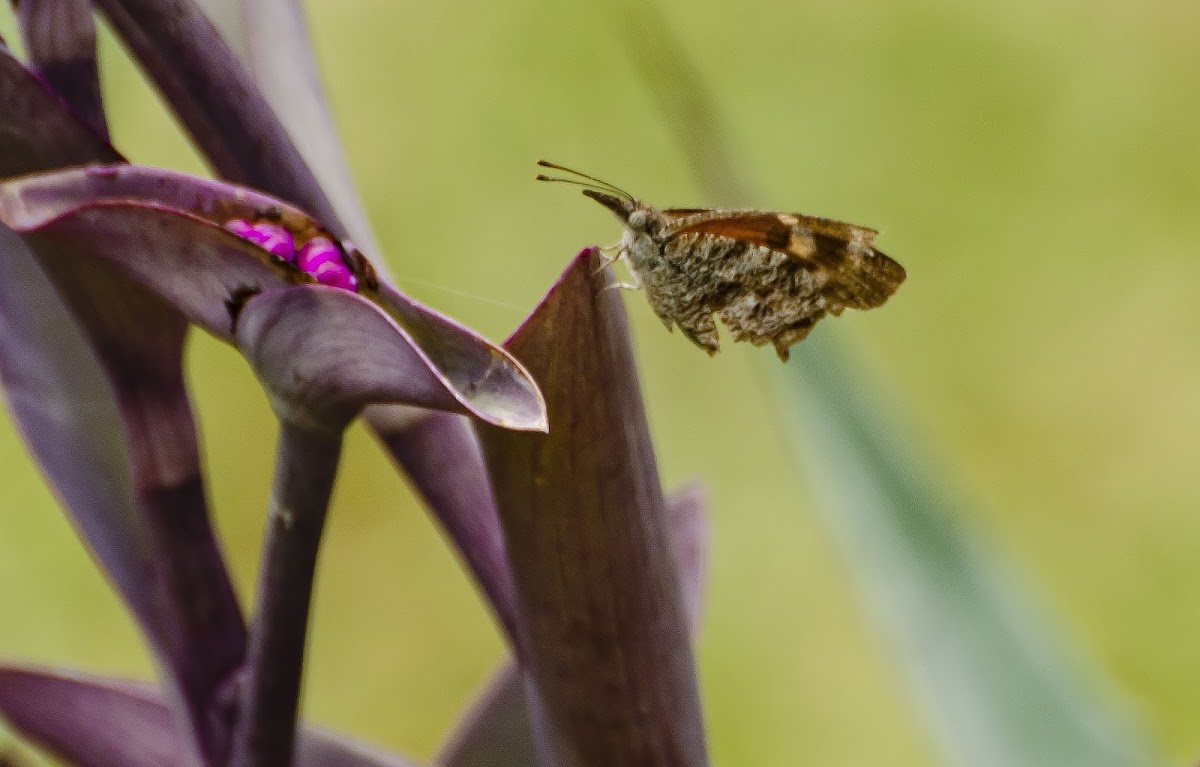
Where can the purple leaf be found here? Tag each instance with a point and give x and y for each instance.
(61, 400)
(96, 387)
(320, 748)
(60, 37)
(495, 730)
(91, 723)
(165, 230)
(353, 355)
(603, 639)
(96, 722)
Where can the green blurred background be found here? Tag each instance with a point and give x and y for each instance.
(1035, 166)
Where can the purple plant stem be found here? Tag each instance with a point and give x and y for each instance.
(60, 37)
(270, 694)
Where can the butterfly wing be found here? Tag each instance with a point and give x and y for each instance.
(831, 265)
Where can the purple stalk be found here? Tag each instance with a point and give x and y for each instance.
(304, 474)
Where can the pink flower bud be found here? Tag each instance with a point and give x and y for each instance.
(273, 238)
(323, 260)
(240, 226)
(336, 275)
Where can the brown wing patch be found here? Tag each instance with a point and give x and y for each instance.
(679, 218)
(818, 242)
(759, 228)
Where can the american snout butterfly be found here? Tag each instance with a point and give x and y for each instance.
(769, 276)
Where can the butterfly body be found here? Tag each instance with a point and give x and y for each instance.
(769, 276)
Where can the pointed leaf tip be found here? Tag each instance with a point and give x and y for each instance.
(604, 637)
(320, 350)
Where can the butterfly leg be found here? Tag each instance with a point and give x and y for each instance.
(609, 255)
(635, 285)
(635, 280)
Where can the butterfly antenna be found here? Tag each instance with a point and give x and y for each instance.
(603, 184)
(576, 182)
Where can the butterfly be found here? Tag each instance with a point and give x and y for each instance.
(769, 276)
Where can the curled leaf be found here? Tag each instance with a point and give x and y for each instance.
(166, 231)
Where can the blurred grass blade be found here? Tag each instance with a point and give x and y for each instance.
(994, 685)
(97, 722)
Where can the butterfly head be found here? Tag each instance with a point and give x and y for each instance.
(633, 214)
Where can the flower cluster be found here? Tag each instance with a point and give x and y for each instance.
(320, 257)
